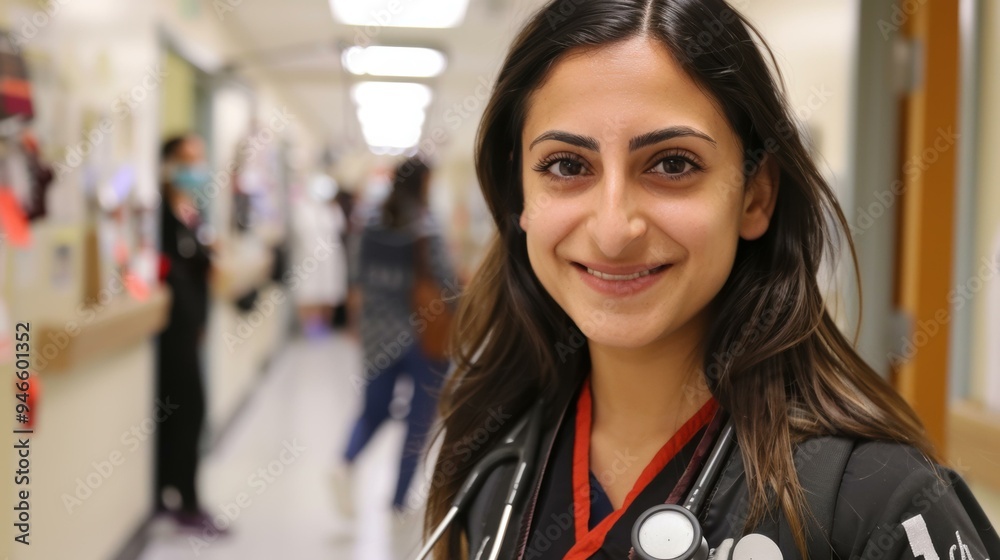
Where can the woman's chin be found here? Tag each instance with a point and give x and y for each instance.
(623, 337)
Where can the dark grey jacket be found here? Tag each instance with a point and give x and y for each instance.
(384, 265)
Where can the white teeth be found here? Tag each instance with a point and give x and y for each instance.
(633, 276)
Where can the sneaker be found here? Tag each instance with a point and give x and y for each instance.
(199, 522)
(314, 329)
(342, 485)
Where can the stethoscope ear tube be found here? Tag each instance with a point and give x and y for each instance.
(529, 449)
(508, 450)
(712, 469)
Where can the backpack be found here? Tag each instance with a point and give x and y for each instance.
(820, 480)
(821, 485)
(15, 89)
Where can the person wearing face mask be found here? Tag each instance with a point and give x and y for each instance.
(186, 260)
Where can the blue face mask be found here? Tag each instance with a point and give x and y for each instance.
(190, 178)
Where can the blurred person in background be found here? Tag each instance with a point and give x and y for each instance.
(317, 225)
(399, 245)
(344, 200)
(187, 265)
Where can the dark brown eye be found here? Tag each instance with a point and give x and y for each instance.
(673, 166)
(566, 168)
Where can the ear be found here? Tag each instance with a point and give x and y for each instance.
(759, 200)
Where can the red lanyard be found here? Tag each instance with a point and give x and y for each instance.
(589, 541)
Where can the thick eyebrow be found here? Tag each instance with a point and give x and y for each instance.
(579, 140)
(658, 136)
(641, 141)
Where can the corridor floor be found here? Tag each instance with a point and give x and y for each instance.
(269, 474)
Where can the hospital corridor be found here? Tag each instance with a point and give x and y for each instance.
(499, 279)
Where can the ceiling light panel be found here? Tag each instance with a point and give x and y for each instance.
(391, 93)
(391, 114)
(400, 13)
(394, 61)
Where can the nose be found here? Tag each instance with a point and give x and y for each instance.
(617, 219)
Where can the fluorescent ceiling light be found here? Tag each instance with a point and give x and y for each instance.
(387, 94)
(391, 136)
(394, 61)
(405, 117)
(400, 13)
(391, 113)
(382, 150)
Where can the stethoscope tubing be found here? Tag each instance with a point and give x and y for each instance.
(507, 451)
(525, 456)
(712, 469)
(528, 453)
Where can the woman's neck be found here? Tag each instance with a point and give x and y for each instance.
(640, 398)
(646, 394)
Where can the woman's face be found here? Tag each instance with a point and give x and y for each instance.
(634, 194)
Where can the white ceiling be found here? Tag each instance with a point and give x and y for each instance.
(299, 46)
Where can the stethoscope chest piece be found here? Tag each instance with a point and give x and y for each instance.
(756, 547)
(668, 532)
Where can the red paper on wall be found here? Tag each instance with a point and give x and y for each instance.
(13, 222)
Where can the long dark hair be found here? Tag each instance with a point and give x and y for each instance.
(408, 195)
(774, 358)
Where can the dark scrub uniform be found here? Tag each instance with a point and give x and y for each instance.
(574, 517)
(891, 504)
(179, 380)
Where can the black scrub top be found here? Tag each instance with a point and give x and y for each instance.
(574, 518)
(188, 275)
(893, 504)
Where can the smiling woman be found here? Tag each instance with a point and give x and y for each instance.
(648, 205)
(653, 197)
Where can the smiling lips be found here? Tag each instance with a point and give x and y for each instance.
(619, 272)
(619, 281)
(622, 277)
(613, 280)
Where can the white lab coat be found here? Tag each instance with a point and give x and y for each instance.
(319, 260)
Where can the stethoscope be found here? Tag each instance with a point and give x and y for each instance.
(663, 532)
(508, 450)
(673, 532)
